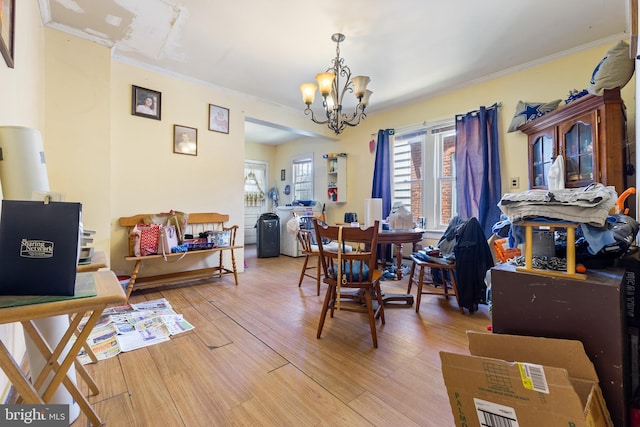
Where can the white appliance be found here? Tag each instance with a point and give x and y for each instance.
(289, 244)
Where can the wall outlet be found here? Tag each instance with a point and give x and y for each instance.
(514, 182)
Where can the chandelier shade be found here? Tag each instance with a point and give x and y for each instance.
(332, 93)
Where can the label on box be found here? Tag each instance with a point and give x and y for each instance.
(533, 377)
(494, 415)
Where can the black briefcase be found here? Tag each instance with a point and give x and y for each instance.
(39, 247)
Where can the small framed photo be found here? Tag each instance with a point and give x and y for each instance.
(283, 175)
(145, 102)
(185, 140)
(7, 31)
(218, 119)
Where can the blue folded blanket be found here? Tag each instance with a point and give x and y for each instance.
(355, 275)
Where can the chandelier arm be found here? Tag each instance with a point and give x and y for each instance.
(359, 114)
(308, 111)
(345, 72)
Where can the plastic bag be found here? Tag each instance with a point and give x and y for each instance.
(401, 219)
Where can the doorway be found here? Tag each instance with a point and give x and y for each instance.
(256, 201)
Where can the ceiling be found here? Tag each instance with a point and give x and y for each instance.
(411, 49)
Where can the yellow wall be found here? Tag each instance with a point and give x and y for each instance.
(261, 152)
(78, 127)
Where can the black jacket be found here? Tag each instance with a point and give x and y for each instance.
(473, 259)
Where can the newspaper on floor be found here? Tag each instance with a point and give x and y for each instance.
(133, 326)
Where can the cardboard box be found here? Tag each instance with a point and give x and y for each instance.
(520, 381)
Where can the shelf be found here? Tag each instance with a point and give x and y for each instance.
(336, 177)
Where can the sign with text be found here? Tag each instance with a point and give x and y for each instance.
(34, 415)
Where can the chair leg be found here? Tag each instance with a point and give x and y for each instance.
(420, 283)
(413, 270)
(372, 320)
(325, 308)
(454, 285)
(318, 274)
(380, 311)
(304, 269)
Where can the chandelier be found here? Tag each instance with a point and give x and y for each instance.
(332, 93)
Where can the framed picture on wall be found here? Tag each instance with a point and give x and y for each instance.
(218, 119)
(145, 102)
(7, 22)
(185, 140)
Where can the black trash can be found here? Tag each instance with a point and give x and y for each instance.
(268, 235)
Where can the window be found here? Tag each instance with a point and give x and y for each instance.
(408, 176)
(255, 183)
(303, 177)
(424, 175)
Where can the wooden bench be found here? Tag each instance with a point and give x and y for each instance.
(196, 224)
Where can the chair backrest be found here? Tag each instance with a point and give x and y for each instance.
(304, 237)
(306, 222)
(357, 266)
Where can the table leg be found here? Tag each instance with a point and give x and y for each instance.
(61, 369)
(399, 260)
(15, 375)
(406, 298)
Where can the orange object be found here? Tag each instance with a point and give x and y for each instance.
(621, 199)
(581, 268)
(502, 253)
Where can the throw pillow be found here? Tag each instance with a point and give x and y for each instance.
(614, 70)
(527, 111)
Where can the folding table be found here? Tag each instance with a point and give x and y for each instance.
(107, 291)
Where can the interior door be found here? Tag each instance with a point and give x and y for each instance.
(256, 201)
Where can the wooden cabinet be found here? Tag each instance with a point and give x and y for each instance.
(589, 133)
(337, 178)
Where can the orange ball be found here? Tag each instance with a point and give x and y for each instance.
(581, 268)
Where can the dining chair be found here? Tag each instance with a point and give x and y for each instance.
(311, 253)
(445, 284)
(309, 248)
(353, 278)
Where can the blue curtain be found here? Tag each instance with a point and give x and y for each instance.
(478, 166)
(381, 188)
(382, 172)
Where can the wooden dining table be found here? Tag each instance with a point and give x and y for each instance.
(399, 238)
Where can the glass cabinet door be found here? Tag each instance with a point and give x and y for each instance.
(542, 154)
(578, 139)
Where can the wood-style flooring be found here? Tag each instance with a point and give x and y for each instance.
(253, 358)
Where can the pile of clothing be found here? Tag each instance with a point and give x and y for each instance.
(464, 244)
(600, 234)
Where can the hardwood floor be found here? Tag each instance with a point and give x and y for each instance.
(254, 360)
